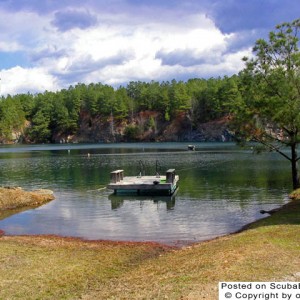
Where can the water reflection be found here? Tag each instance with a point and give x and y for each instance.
(118, 200)
(222, 188)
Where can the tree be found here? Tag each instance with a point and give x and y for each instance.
(269, 110)
(121, 104)
(179, 98)
(12, 118)
(42, 113)
(40, 131)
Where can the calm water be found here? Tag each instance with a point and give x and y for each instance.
(221, 189)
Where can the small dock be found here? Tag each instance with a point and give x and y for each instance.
(157, 184)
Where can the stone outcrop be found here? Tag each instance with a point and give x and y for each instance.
(147, 126)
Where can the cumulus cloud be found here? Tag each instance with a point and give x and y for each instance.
(52, 52)
(197, 46)
(147, 51)
(20, 80)
(88, 64)
(41, 7)
(241, 41)
(84, 68)
(120, 49)
(21, 33)
(64, 42)
(69, 19)
(9, 46)
(188, 57)
(235, 15)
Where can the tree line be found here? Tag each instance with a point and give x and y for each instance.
(262, 101)
(48, 113)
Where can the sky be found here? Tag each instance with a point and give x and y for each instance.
(52, 44)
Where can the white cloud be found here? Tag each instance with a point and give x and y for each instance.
(20, 80)
(115, 50)
(9, 46)
(142, 41)
(233, 61)
(24, 30)
(73, 18)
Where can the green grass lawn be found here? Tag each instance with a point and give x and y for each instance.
(48, 267)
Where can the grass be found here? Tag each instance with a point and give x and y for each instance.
(16, 197)
(48, 267)
(58, 268)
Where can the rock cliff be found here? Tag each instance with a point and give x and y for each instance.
(146, 126)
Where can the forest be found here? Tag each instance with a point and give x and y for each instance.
(38, 118)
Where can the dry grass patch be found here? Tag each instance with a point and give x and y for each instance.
(59, 268)
(266, 252)
(194, 272)
(16, 197)
(295, 195)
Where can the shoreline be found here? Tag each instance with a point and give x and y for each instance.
(39, 197)
(16, 198)
(174, 245)
(54, 267)
(75, 239)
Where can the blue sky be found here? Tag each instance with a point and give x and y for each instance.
(51, 44)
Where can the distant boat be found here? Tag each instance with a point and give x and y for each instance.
(191, 147)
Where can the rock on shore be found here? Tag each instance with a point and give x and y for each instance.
(16, 197)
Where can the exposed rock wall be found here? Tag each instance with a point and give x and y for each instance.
(147, 126)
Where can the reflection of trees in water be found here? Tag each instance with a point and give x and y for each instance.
(207, 174)
(245, 181)
(219, 191)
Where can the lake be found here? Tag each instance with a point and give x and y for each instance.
(222, 188)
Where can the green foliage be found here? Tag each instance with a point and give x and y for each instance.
(132, 132)
(151, 123)
(52, 113)
(167, 116)
(271, 80)
(40, 131)
(268, 111)
(122, 104)
(12, 117)
(263, 99)
(27, 103)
